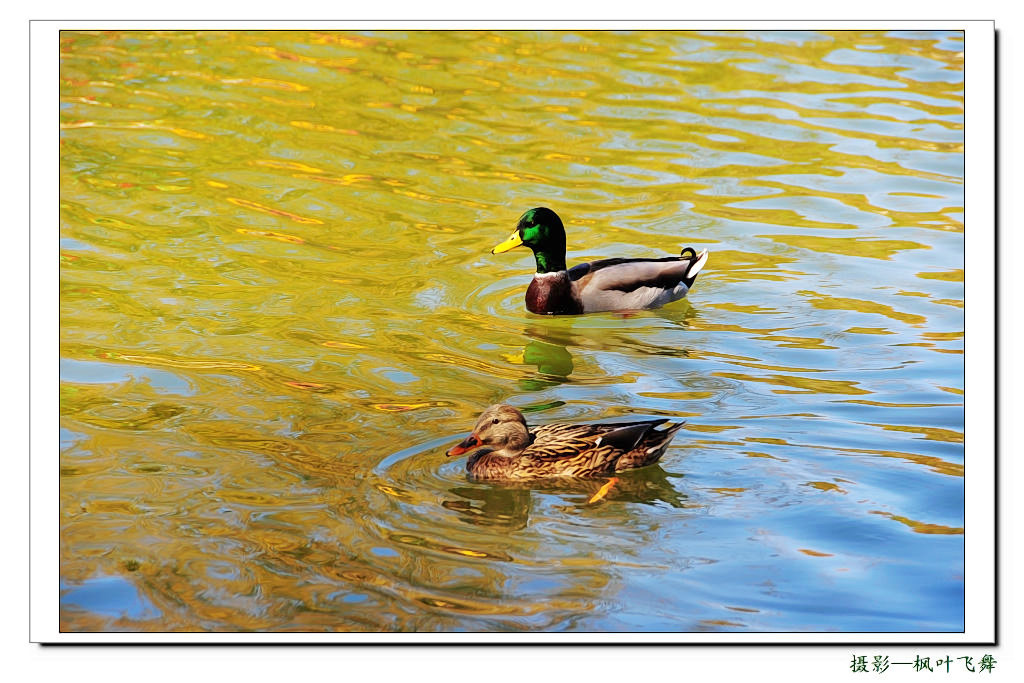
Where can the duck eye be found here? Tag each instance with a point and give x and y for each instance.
(494, 421)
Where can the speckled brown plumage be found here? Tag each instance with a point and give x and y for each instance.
(502, 447)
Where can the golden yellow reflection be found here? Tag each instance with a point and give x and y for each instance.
(809, 385)
(278, 308)
(867, 248)
(921, 527)
(841, 303)
(256, 206)
(825, 486)
(933, 433)
(322, 127)
(956, 275)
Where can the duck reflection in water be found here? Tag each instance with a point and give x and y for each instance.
(548, 346)
(508, 505)
(553, 362)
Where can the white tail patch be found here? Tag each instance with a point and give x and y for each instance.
(598, 442)
(698, 264)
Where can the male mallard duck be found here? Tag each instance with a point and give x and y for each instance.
(503, 447)
(614, 284)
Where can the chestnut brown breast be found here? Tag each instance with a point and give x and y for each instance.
(552, 294)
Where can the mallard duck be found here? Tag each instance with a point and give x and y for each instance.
(503, 447)
(615, 284)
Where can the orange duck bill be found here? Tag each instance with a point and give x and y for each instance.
(470, 443)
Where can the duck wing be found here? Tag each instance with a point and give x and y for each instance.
(620, 283)
(565, 440)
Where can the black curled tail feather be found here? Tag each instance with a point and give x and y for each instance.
(697, 263)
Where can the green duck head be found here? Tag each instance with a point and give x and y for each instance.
(542, 231)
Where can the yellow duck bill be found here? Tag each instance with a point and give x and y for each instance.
(512, 242)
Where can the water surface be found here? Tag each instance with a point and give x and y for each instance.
(279, 308)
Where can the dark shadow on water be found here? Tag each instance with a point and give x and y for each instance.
(508, 505)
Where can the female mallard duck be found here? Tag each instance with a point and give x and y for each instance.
(614, 284)
(503, 447)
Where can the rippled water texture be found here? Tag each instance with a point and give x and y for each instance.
(279, 307)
